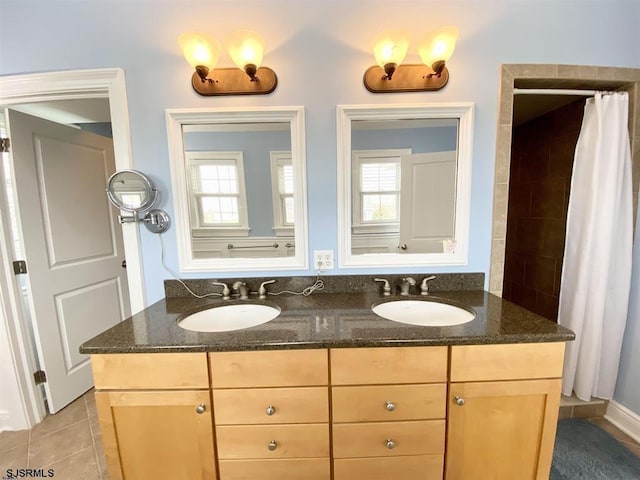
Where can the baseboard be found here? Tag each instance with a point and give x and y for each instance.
(5, 421)
(624, 419)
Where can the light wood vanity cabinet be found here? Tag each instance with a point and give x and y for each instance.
(391, 411)
(271, 412)
(503, 410)
(388, 412)
(155, 415)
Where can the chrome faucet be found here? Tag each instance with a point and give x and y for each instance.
(242, 289)
(424, 286)
(262, 291)
(226, 293)
(406, 284)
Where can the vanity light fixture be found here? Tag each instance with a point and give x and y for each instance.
(390, 75)
(246, 49)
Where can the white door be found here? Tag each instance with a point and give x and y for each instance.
(73, 246)
(428, 201)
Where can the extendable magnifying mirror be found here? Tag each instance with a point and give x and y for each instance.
(132, 191)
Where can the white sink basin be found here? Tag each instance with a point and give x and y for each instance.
(226, 318)
(423, 313)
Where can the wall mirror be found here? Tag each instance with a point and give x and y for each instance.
(404, 184)
(239, 188)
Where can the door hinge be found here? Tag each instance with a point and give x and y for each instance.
(19, 267)
(40, 377)
(5, 143)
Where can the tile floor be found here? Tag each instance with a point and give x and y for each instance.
(70, 442)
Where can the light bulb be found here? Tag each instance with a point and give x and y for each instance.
(246, 48)
(199, 49)
(390, 47)
(438, 46)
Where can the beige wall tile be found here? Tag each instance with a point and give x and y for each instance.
(503, 154)
(500, 199)
(619, 74)
(577, 71)
(532, 70)
(505, 98)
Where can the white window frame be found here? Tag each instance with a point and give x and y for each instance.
(280, 227)
(358, 158)
(212, 158)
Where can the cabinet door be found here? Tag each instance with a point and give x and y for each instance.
(502, 429)
(157, 434)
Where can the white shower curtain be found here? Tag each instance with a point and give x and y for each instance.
(596, 273)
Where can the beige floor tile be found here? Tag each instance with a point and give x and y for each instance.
(81, 466)
(11, 440)
(72, 413)
(90, 401)
(14, 459)
(60, 444)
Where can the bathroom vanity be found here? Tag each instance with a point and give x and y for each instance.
(329, 390)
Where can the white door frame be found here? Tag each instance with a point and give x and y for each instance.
(76, 84)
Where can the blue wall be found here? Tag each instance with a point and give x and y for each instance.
(420, 140)
(320, 50)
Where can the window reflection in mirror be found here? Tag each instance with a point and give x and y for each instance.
(405, 173)
(238, 176)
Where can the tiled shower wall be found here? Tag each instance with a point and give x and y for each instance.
(540, 178)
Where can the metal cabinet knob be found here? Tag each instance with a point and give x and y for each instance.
(459, 401)
(270, 410)
(391, 406)
(402, 246)
(390, 443)
(200, 409)
(272, 445)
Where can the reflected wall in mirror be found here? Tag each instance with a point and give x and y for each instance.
(239, 188)
(404, 182)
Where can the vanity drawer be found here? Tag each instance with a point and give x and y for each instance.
(471, 363)
(370, 439)
(276, 368)
(132, 371)
(389, 403)
(279, 469)
(288, 405)
(371, 366)
(253, 441)
(411, 467)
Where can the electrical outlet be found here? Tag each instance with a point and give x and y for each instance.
(323, 259)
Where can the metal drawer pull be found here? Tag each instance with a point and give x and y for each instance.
(459, 400)
(270, 410)
(200, 409)
(391, 406)
(390, 444)
(272, 445)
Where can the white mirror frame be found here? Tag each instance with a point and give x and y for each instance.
(345, 115)
(176, 118)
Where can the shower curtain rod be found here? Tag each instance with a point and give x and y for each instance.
(555, 91)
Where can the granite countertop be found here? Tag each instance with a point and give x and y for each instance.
(325, 320)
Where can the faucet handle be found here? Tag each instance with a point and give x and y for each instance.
(386, 288)
(424, 286)
(226, 293)
(262, 291)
